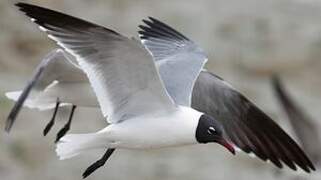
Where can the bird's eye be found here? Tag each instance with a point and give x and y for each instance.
(211, 130)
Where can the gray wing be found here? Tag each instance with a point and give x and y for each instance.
(121, 72)
(305, 129)
(61, 66)
(57, 65)
(245, 124)
(178, 59)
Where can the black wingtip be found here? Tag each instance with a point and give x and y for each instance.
(48, 18)
(290, 109)
(13, 114)
(22, 5)
(312, 167)
(19, 103)
(19, 4)
(154, 20)
(154, 28)
(275, 80)
(9, 124)
(151, 18)
(255, 131)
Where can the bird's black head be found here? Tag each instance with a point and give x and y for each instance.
(210, 130)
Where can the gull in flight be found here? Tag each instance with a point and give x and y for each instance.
(178, 61)
(129, 90)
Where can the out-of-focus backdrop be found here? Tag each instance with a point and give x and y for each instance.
(246, 42)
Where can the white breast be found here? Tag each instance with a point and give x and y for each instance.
(157, 131)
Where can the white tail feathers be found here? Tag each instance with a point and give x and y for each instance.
(73, 144)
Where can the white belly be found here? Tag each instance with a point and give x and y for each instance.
(151, 132)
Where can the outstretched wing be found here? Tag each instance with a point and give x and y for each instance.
(57, 65)
(178, 59)
(245, 124)
(180, 62)
(121, 72)
(305, 129)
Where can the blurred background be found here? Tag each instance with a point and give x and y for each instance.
(246, 41)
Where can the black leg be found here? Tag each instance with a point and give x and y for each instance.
(52, 121)
(66, 127)
(98, 163)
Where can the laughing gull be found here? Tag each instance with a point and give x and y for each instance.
(246, 126)
(249, 128)
(129, 90)
(303, 126)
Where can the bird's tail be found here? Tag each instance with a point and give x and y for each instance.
(73, 144)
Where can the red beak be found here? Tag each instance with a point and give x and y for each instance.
(227, 145)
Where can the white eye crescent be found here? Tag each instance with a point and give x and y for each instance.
(211, 130)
